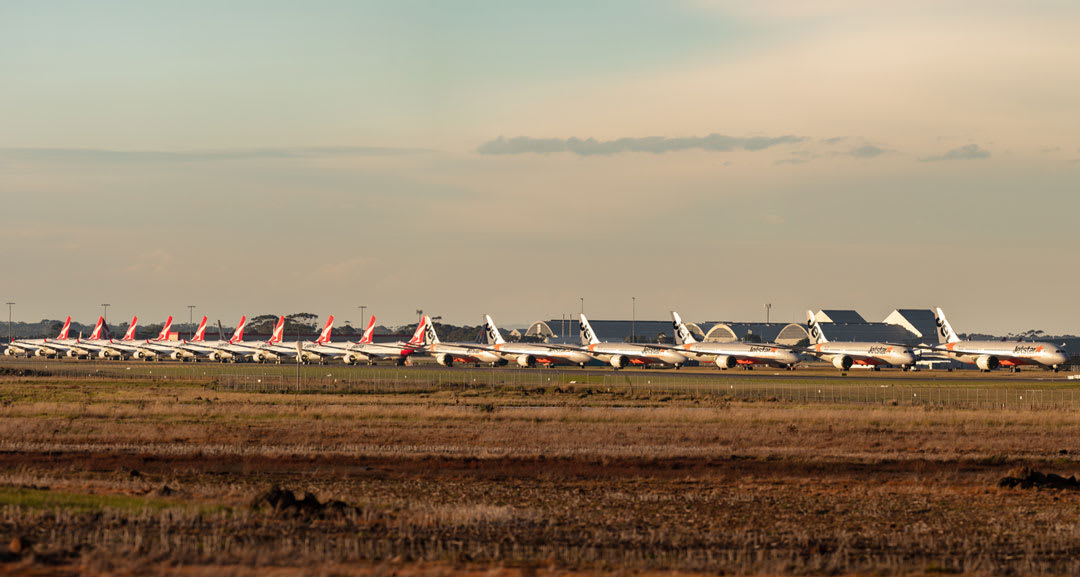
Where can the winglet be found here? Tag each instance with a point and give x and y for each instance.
(324, 336)
(494, 337)
(369, 333)
(588, 336)
(164, 334)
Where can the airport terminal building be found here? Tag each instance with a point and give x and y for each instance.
(902, 326)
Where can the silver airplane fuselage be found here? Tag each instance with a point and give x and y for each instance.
(529, 354)
(729, 355)
(1005, 354)
(864, 354)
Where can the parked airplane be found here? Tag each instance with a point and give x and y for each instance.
(162, 346)
(989, 355)
(446, 354)
(731, 355)
(620, 355)
(844, 355)
(43, 347)
(366, 350)
(220, 350)
(529, 354)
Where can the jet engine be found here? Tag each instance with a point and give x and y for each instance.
(178, 355)
(262, 357)
(987, 362)
(527, 361)
(354, 358)
(9, 352)
(444, 359)
(619, 361)
(215, 356)
(43, 352)
(726, 362)
(842, 362)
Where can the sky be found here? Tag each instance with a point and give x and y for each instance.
(513, 158)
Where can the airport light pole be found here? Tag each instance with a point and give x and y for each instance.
(190, 322)
(363, 319)
(633, 321)
(582, 299)
(768, 309)
(9, 305)
(105, 315)
(419, 315)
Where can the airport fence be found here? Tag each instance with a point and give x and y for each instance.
(786, 388)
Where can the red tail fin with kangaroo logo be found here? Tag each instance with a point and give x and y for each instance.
(130, 334)
(369, 332)
(164, 334)
(279, 331)
(324, 336)
(64, 331)
(200, 333)
(238, 335)
(96, 335)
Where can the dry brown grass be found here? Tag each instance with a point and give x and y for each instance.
(441, 485)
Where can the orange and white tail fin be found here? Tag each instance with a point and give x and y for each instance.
(164, 334)
(200, 333)
(238, 334)
(64, 331)
(369, 332)
(430, 336)
(96, 335)
(324, 336)
(279, 331)
(130, 334)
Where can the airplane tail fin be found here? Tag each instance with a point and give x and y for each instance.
(238, 335)
(164, 334)
(64, 331)
(200, 333)
(279, 331)
(588, 337)
(324, 336)
(130, 334)
(945, 332)
(494, 337)
(96, 335)
(369, 332)
(430, 337)
(682, 332)
(814, 328)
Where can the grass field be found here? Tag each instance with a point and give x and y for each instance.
(140, 476)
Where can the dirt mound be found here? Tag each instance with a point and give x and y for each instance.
(284, 502)
(1027, 478)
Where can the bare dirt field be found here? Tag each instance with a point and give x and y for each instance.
(187, 478)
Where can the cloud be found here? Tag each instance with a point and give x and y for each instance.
(968, 152)
(867, 151)
(110, 155)
(654, 144)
